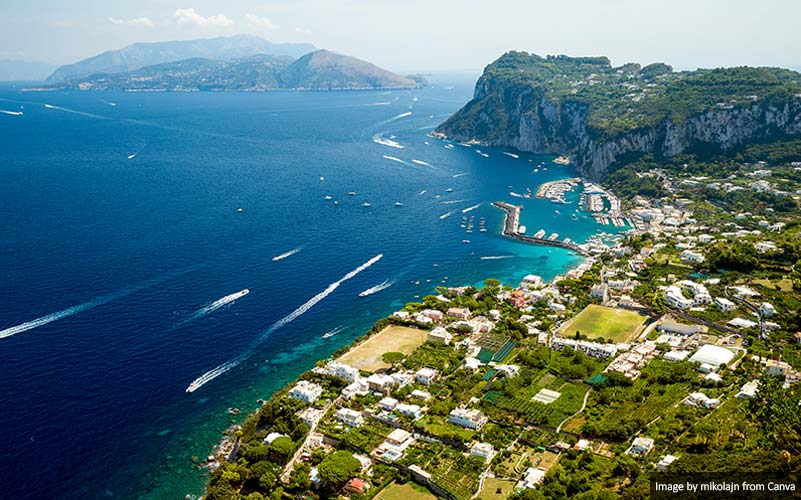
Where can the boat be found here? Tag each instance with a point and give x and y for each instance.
(234, 411)
(322, 178)
(240, 210)
(352, 193)
(398, 204)
(465, 241)
(449, 190)
(562, 160)
(336, 202)
(540, 233)
(483, 229)
(327, 197)
(557, 212)
(366, 205)
(574, 217)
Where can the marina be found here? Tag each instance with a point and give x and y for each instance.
(511, 228)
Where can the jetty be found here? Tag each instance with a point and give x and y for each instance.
(511, 228)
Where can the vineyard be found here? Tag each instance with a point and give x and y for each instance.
(654, 406)
(459, 480)
(536, 413)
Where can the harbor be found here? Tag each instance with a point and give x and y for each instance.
(512, 229)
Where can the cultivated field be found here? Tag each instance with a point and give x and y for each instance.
(597, 321)
(367, 355)
(491, 487)
(408, 491)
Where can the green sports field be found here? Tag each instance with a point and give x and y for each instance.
(596, 321)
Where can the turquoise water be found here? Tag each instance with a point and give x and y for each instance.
(141, 244)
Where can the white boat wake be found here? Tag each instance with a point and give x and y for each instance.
(216, 372)
(421, 193)
(131, 157)
(287, 254)
(511, 154)
(421, 162)
(203, 311)
(81, 113)
(380, 139)
(13, 113)
(397, 117)
(468, 209)
(451, 202)
(36, 323)
(393, 158)
(445, 215)
(331, 333)
(375, 289)
(496, 257)
(460, 175)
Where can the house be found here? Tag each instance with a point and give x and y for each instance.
(426, 375)
(676, 355)
(358, 388)
(594, 349)
(741, 323)
(556, 307)
(767, 309)
(388, 403)
(357, 486)
(306, 391)
(343, 371)
(701, 399)
(350, 417)
(422, 395)
(675, 298)
(398, 437)
(724, 304)
(310, 416)
(439, 335)
(531, 478)
(433, 315)
(691, 256)
(640, 446)
(531, 281)
(797, 337)
(394, 445)
(380, 383)
(471, 419)
(459, 313)
(482, 450)
(402, 379)
(413, 411)
(665, 461)
(517, 299)
(766, 246)
(600, 292)
(748, 390)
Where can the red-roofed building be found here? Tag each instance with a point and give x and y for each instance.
(357, 485)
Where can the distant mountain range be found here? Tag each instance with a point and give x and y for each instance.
(14, 70)
(139, 55)
(238, 63)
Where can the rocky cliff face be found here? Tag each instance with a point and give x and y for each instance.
(522, 117)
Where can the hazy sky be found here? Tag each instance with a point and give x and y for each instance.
(405, 35)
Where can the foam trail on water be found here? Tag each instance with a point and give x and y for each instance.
(451, 202)
(445, 215)
(468, 209)
(421, 193)
(496, 257)
(380, 139)
(216, 372)
(203, 311)
(287, 254)
(67, 110)
(13, 113)
(421, 162)
(30, 325)
(392, 158)
(459, 175)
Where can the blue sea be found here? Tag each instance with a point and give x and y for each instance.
(124, 217)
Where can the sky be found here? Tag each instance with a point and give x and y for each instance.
(424, 35)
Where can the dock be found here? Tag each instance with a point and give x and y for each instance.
(511, 227)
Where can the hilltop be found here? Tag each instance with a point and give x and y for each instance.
(140, 55)
(605, 116)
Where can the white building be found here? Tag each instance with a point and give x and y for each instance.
(343, 371)
(767, 309)
(594, 349)
(358, 388)
(665, 461)
(380, 383)
(471, 419)
(426, 375)
(724, 304)
(691, 256)
(388, 403)
(440, 335)
(413, 411)
(675, 298)
(459, 313)
(711, 357)
(701, 399)
(350, 417)
(748, 390)
(766, 246)
(640, 446)
(482, 450)
(531, 281)
(532, 477)
(306, 391)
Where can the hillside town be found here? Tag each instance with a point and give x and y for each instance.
(661, 350)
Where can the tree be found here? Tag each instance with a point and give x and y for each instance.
(281, 449)
(393, 357)
(338, 467)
